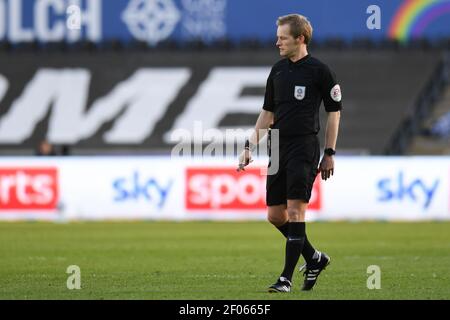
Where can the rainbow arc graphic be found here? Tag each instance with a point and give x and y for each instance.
(414, 16)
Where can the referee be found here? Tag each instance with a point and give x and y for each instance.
(295, 88)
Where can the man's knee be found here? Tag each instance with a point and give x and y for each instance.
(277, 220)
(293, 212)
(296, 214)
(277, 215)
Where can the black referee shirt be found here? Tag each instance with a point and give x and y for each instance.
(294, 92)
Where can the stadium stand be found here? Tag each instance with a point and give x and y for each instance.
(378, 90)
(378, 87)
(426, 130)
(434, 138)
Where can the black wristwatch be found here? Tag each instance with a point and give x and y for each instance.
(249, 146)
(329, 152)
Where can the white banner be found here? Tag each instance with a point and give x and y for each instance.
(161, 188)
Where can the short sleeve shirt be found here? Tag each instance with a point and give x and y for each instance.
(295, 91)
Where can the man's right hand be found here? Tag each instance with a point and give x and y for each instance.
(244, 159)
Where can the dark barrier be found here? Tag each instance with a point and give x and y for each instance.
(96, 102)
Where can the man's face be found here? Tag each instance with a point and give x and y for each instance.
(286, 43)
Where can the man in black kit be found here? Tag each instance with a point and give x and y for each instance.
(295, 89)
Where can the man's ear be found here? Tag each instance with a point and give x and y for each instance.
(300, 39)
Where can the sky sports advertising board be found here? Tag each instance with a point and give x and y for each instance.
(184, 188)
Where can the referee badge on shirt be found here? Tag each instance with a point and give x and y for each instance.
(335, 93)
(299, 92)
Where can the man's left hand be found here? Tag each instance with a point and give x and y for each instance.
(326, 167)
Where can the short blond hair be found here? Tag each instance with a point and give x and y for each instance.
(299, 26)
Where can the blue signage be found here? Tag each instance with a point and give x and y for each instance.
(400, 189)
(153, 21)
(137, 187)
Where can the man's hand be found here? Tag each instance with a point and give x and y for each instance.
(326, 167)
(244, 159)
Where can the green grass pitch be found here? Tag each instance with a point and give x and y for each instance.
(218, 260)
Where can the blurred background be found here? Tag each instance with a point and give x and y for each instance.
(96, 95)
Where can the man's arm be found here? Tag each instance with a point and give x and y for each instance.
(332, 129)
(265, 119)
(327, 164)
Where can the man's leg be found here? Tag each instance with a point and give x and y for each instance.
(295, 213)
(278, 216)
(296, 236)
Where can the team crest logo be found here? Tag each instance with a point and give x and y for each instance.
(299, 92)
(336, 93)
(151, 20)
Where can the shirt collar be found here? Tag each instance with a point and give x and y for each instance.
(299, 61)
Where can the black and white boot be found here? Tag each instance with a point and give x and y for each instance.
(282, 285)
(313, 271)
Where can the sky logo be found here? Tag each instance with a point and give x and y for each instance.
(136, 188)
(399, 189)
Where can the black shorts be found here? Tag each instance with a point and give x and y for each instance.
(299, 159)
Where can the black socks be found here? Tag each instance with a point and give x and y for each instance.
(284, 229)
(294, 246)
(308, 250)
